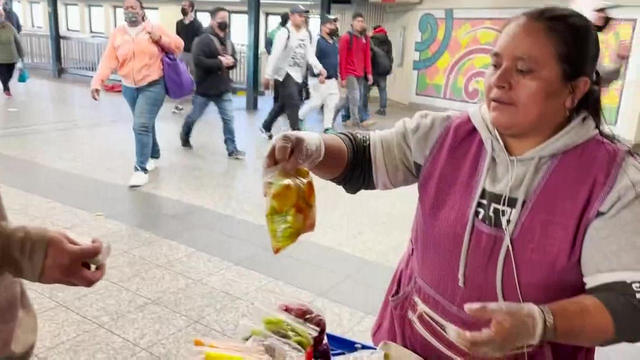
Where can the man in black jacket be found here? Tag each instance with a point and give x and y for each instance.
(214, 56)
(381, 64)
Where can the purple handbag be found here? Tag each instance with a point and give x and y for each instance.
(177, 80)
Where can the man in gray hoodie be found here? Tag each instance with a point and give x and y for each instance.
(39, 255)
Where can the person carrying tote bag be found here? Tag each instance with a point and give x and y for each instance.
(136, 50)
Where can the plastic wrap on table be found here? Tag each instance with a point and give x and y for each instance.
(208, 349)
(321, 350)
(291, 206)
(273, 326)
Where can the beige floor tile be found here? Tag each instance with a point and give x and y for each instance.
(196, 301)
(107, 304)
(59, 325)
(62, 293)
(197, 265)
(180, 346)
(227, 320)
(154, 281)
(97, 344)
(148, 325)
(145, 355)
(277, 292)
(237, 281)
(340, 319)
(162, 251)
(40, 302)
(362, 331)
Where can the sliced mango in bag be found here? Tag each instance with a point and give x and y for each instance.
(291, 207)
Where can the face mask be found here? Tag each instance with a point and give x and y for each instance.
(132, 18)
(223, 25)
(184, 11)
(334, 33)
(5, 6)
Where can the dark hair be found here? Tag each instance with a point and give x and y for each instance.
(578, 49)
(284, 19)
(377, 27)
(217, 10)
(357, 15)
(192, 5)
(144, 14)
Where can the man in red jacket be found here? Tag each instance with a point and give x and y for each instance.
(355, 65)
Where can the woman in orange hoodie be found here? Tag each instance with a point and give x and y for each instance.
(135, 50)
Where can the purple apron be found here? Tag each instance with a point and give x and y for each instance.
(547, 244)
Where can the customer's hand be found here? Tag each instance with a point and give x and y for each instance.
(95, 94)
(296, 149)
(154, 34)
(370, 79)
(66, 260)
(227, 61)
(513, 326)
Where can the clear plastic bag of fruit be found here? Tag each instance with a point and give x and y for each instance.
(291, 206)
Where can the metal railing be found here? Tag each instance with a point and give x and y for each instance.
(82, 55)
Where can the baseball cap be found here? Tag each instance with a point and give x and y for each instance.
(328, 18)
(298, 9)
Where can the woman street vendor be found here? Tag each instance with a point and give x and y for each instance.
(525, 238)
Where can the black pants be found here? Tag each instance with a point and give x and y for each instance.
(6, 73)
(288, 101)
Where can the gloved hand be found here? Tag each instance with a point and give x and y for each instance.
(513, 326)
(296, 149)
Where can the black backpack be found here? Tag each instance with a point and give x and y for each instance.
(380, 61)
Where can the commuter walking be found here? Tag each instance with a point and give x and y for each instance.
(381, 64)
(325, 95)
(284, 20)
(10, 52)
(292, 52)
(355, 66)
(188, 29)
(135, 49)
(214, 56)
(11, 16)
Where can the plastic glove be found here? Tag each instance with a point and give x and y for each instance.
(20, 65)
(296, 149)
(513, 326)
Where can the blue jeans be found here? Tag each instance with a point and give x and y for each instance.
(224, 103)
(145, 103)
(381, 83)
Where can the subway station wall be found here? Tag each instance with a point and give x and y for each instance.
(443, 56)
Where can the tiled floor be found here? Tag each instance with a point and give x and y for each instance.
(157, 296)
(190, 250)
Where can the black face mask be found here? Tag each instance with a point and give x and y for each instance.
(184, 11)
(223, 25)
(334, 33)
(5, 6)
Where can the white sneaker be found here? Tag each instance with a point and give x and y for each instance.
(138, 179)
(151, 165)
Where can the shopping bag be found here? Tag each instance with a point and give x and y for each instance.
(23, 76)
(177, 80)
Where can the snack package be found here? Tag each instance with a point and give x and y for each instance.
(291, 206)
(280, 333)
(321, 350)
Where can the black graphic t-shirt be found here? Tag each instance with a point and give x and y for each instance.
(493, 210)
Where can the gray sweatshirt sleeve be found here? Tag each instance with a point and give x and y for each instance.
(611, 253)
(398, 154)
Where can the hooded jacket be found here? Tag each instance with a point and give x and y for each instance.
(393, 158)
(22, 254)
